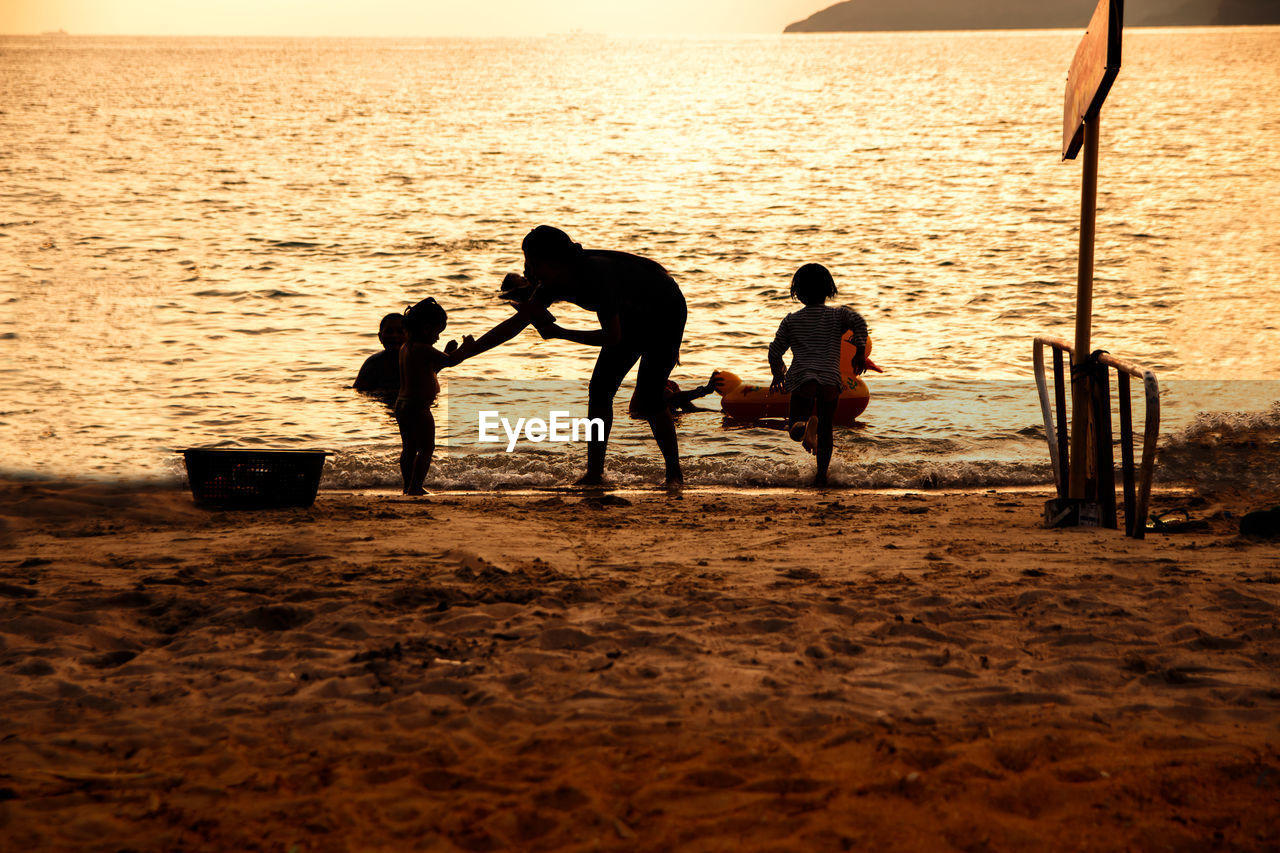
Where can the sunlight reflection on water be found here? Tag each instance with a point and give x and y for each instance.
(201, 234)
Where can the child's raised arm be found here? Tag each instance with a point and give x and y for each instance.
(454, 354)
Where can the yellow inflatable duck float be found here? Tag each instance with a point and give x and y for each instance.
(746, 402)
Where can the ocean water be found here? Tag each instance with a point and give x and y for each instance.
(198, 237)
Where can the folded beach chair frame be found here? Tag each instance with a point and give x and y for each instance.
(1099, 505)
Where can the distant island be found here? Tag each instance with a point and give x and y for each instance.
(876, 15)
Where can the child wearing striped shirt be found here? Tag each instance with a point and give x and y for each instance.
(813, 335)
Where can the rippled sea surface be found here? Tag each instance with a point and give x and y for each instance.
(198, 236)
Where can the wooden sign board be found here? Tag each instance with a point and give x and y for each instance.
(1092, 72)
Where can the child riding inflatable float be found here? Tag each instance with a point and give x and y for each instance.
(753, 402)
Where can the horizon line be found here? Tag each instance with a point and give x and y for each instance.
(608, 33)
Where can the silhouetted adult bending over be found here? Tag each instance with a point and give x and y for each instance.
(642, 314)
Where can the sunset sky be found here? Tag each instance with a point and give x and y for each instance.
(408, 18)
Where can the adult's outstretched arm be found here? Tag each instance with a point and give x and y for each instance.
(610, 332)
(501, 333)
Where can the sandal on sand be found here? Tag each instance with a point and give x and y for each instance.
(1187, 525)
(810, 440)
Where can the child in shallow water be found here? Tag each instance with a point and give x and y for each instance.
(420, 361)
(813, 335)
(380, 373)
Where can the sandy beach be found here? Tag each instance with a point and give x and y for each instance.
(559, 671)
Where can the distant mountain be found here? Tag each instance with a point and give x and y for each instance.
(873, 15)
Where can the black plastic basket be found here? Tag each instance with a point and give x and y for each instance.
(253, 479)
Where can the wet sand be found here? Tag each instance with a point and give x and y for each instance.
(767, 671)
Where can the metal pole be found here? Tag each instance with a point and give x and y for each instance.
(1103, 447)
(1084, 313)
(1126, 453)
(1060, 400)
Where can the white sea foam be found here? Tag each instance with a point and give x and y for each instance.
(476, 472)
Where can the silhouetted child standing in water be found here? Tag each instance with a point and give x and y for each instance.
(420, 361)
(813, 335)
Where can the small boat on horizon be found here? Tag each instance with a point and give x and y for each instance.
(58, 32)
